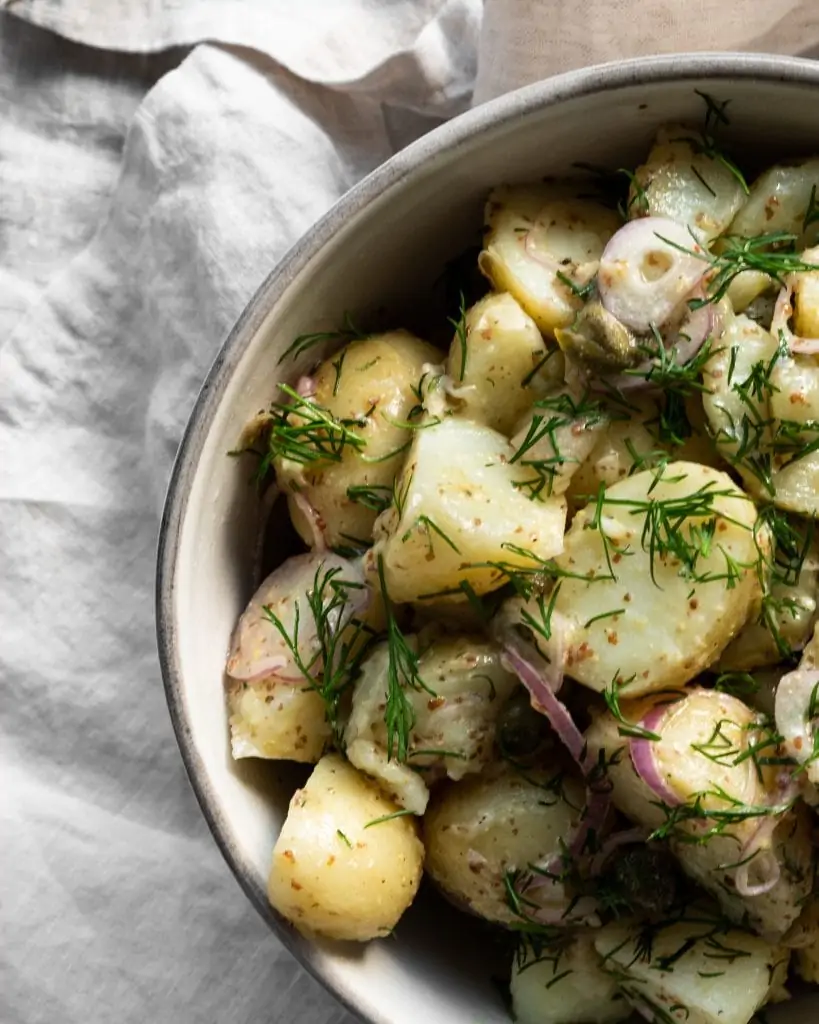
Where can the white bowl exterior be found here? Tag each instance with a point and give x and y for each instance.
(383, 247)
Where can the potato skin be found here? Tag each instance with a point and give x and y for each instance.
(504, 348)
(480, 828)
(330, 874)
(370, 379)
(665, 632)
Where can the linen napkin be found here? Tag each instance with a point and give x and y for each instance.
(152, 170)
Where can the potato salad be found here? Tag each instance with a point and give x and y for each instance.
(548, 633)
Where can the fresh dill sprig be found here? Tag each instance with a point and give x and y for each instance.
(347, 332)
(402, 672)
(461, 334)
(718, 819)
(772, 254)
(429, 527)
(304, 432)
(706, 143)
(550, 415)
(375, 497)
(668, 532)
(625, 727)
(341, 639)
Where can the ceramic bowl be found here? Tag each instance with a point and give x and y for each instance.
(383, 246)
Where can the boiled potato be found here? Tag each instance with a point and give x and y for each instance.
(745, 417)
(500, 364)
(371, 382)
(640, 618)
(806, 298)
(747, 287)
(555, 440)
(663, 979)
(682, 183)
(480, 831)
(337, 871)
(535, 233)
(705, 749)
(272, 719)
(274, 710)
(779, 200)
(565, 985)
(454, 729)
(794, 615)
(461, 508)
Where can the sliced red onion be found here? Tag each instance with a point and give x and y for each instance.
(642, 277)
(545, 701)
(315, 524)
(792, 705)
(506, 634)
(757, 850)
(645, 763)
(258, 649)
(547, 901)
(781, 323)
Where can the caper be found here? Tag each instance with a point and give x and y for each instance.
(599, 340)
(521, 730)
(647, 879)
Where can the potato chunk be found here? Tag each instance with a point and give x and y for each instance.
(778, 201)
(481, 831)
(682, 183)
(664, 980)
(370, 383)
(336, 870)
(631, 610)
(705, 759)
(454, 730)
(461, 508)
(564, 986)
(538, 238)
(501, 364)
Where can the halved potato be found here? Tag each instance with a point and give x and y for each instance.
(630, 610)
(538, 237)
(501, 364)
(779, 200)
(461, 508)
(372, 384)
(565, 985)
(681, 182)
(338, 870)
(662, 971)
(454, 729)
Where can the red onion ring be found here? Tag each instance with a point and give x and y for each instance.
(780, 322)
(628, 292)
(690, 335)
(644, 762)
(544, 700)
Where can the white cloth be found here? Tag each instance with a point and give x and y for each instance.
(136, 219)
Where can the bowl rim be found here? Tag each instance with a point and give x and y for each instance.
(445, 138)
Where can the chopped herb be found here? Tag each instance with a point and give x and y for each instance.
(426, 524)
(812, 212)
(344, 838)
(402, 672)
(304, 432)
(348, 332)
(374, 496)
(403, 813)
(462, 335)
(633, 730)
